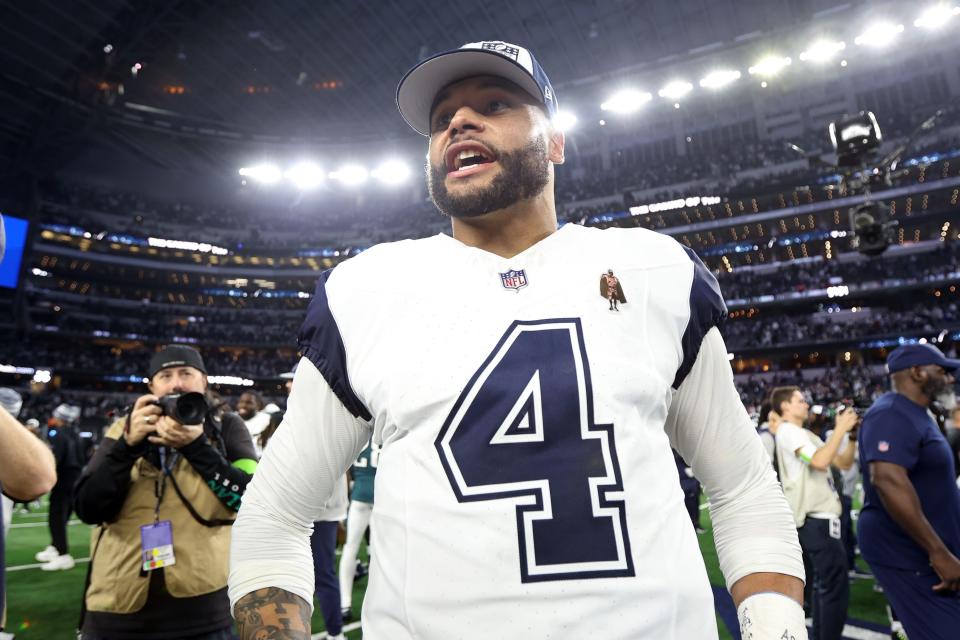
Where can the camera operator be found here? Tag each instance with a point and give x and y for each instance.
(164, 487)
(909, 528)
(804, 462)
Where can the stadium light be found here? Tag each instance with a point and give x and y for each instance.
(392, 172)
(264, 173)
(675, 90)
(769, 66)
(879, 34)
(720, 78)
(822, 51)
(936, 16)
(351, 175)
(305, 175)
(565, 121)
(626, 101)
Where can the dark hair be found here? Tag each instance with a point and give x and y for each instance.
(266, 434)
(256, 397)
(764, 414)
(780, 395)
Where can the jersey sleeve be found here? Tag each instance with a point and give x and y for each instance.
(321, 343)
(707, 310)
(308, 456)
(889, 436)
(707, 424)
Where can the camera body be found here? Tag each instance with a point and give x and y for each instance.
(186, 408)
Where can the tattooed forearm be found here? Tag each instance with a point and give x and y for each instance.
(272, 614)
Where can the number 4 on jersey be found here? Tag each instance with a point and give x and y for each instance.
(523, 430)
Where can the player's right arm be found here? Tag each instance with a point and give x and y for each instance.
(271, 566)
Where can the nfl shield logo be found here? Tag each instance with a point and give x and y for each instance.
(883, 446)
(513, 280)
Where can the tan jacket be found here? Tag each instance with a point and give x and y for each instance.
(117, 583)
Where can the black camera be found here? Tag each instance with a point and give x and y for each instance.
(185, 408)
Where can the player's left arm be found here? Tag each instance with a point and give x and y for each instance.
(754, 530)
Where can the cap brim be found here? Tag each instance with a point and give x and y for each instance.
(950, 364)
(417, 89)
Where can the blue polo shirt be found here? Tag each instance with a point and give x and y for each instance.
(900, 431)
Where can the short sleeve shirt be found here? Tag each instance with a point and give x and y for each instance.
(900, 431)
(789, 438)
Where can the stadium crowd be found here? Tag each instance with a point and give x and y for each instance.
(785, 330)
(747, 284)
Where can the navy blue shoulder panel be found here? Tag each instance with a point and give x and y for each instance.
(321, 343)
(707, 310)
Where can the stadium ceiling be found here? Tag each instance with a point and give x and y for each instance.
(72, 72)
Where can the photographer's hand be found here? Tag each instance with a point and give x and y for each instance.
(847, 421)
(143, 420)
(171, 433)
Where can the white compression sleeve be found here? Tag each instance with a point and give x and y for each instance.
(771, 616)
(309, 454)
(753, 528)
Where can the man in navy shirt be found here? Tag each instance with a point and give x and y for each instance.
(909, 529)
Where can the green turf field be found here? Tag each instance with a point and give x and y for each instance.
(45, 606)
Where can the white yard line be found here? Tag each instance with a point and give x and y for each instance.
(859, 633)
(30, 525)
(347, 627)
(24, 567)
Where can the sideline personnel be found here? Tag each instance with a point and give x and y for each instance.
(163, 494)
(909, 528)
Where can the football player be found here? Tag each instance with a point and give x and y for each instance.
(526, 486)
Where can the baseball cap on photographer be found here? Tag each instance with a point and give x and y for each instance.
(419, 87)
(175, 356)
(918, 355)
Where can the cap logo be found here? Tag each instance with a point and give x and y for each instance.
(502, 48)
(547, 94)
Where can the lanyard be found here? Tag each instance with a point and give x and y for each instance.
(160, 486)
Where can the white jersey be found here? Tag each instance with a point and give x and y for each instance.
(526, 485)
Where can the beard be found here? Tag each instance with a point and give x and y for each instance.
(524, 174)
(934, 388)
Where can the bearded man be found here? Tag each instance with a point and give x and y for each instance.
(526, 485)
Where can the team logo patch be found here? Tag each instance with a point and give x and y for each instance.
(514, 280)
(883, 446)
(502, 48)
(611, 290)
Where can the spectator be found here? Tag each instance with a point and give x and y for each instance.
(909, 528)
(163, 495)
(68, 452)
(27, 471)
(250, 407)
(803, 462)
(362, 475)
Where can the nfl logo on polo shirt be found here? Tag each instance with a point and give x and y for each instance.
(514, 280)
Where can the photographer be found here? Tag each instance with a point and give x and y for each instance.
(164, 491)
(803, 461)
